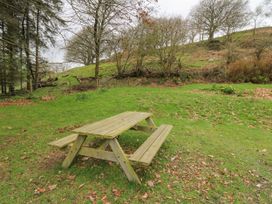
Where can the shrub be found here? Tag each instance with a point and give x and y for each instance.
(214, 45)
(228, 90)
(249, 70)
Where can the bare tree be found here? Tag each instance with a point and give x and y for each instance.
(104, 16)
(170, 34)
(122, 46)
(80, 48)
(257, 17)
(237, 18)
(195, 26)
(268, 8)
(213, 14)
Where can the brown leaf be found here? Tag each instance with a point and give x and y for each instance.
(52, 187)
(92, 196)
(145, 196)
(105, 200)
(150, 183)
(71, 177)
(116, 192)
(39, 191)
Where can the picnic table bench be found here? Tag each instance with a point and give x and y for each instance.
(108, 130)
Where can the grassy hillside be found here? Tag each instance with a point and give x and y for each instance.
(218, 152)
(192, 56)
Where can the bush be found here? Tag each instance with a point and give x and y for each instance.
(249, 70)
(228, 90)
(214, 45)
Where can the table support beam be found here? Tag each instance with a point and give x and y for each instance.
(123, 161)
(73, 151)
(151, 123)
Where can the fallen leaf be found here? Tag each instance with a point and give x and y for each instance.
(81, 185)
(150, 183)
(92, 196)
(259, 185)
(105, 200)
(52, 187)
(71, 177)
(145, 196)
(116, 192)
(39, 191)
(174, 158)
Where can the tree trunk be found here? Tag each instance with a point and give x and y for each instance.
(12, 28)
(27, 51)
(211, 36)
(36, 78)
(21, 67)
(3, 69)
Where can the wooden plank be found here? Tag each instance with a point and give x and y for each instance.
(144, 147)
(73, 151)
(123, 124)
(97, 154)
(154, 148)
(102, 123)
(151, 145)
(123, 161)
(126, 125)
(113, 126)
(63, 142)
(112, 122)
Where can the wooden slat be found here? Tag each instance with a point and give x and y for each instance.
(97, 126)
(146, 152)
(126, 125)
(152, 151)
(114, 126)
(145, 146)
(63, 142)
(98, 154)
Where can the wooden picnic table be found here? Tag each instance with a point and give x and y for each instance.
(108, 131)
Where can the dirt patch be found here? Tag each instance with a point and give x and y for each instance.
(3, 171)
(51, 160)
(16, 102)
(263, 93)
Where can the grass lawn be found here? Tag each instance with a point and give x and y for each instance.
(219, 151)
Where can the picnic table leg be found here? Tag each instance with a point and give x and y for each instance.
(151, 123)
(73, 151)
(123, 161)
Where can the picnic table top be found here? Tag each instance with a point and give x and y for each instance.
(110, 128)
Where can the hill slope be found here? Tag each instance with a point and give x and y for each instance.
(192, 56)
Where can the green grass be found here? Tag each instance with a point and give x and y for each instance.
(219, 150)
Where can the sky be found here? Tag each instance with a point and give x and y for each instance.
(165, 8)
